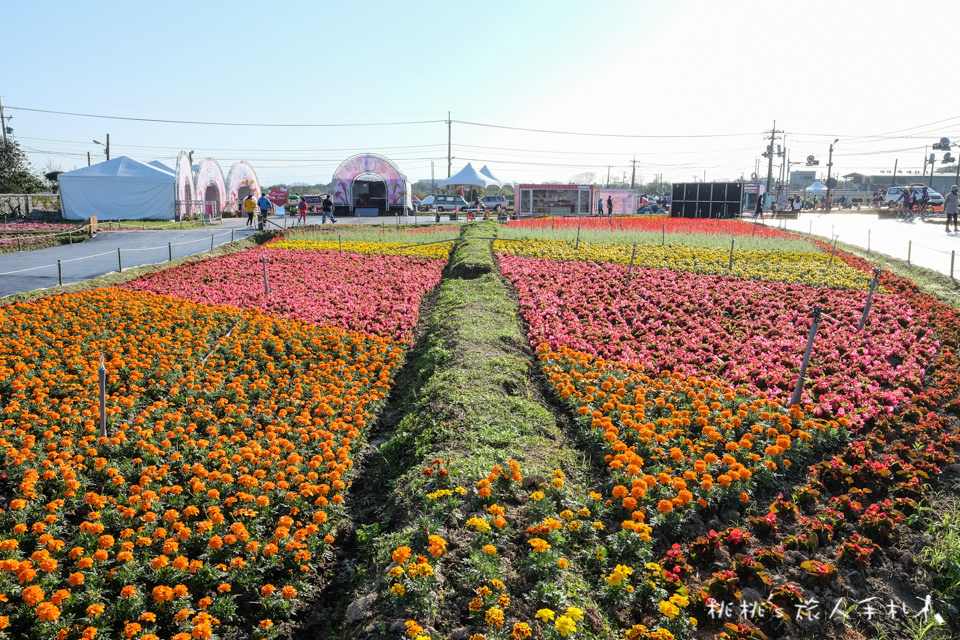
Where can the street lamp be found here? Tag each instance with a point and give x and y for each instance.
(829, 169)
(106, 147)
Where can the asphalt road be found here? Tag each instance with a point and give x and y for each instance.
(38, 269)
(928, 244)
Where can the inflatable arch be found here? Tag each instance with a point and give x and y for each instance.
(208, 185)
(185, 188)
(356, 185)
(241, 181)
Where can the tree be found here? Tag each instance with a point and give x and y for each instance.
(16, 174)
(587, 177)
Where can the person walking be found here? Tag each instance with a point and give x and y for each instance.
(950, 205)
(759, 210)
(264, 204)
(327, 209)
(600, 207)
(302, 208)
(251, 208)
(609, 206)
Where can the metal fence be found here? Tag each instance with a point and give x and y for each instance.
(20, 205)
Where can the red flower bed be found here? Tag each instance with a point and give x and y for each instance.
(746, 332)
(671, 225)
(372, 294)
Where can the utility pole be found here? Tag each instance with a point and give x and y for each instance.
(449, 138)
(633, 174)
(108, 147)
(893, 181)
(88, 158)
(608, 176)
(773, 137)
(829, 171)
(3, 124)
(433, 178)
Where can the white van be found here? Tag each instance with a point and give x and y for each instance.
(895, 196)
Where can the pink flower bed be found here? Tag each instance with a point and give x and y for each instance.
(38, 226)
(746, 331)
(372, 294)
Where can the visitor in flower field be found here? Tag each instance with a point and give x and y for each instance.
(950, 207)
(302, 207)
(250, 207)
(609, 206)
(264, 204)
(759, 210)
(327, 209)
(600, 207)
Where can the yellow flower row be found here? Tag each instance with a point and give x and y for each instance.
(439, 250)
(814, 269)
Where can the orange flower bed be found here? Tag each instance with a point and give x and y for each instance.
(230, 443)
(676, 443)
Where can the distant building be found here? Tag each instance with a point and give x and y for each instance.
(941, 181)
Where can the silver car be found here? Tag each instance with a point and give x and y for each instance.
(493, 203)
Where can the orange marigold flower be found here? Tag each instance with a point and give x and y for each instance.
(32, 595)
(289, 592)
(48, 612)
(665, 506)
(267, 589)
(401, 555)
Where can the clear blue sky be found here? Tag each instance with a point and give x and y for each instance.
(711, 75)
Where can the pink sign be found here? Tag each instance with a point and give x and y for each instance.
(278, 196)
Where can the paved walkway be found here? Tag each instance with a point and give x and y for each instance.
(928, 244)
(38, 269)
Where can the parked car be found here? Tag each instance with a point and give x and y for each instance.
(450, 203)
(895, 195)
(426, 204)
(493, 203)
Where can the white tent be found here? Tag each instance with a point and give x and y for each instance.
(470, 176)
(486, 171)
(816, 187)
(121, 188)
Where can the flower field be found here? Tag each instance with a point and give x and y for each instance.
(663, 477)
(748, 332)
(377, 294)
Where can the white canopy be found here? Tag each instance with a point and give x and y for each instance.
(469, 176)
(485, 171)
(816, 187)
(119, 188)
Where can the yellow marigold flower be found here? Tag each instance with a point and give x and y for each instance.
(476, 604)
(521, 630)
(396, 572)
(679, 600)
(479, 524)
(494, 617)
(489, 549)
(413, 629)
(566, 514)
(544, 614)
(498, 585)
(539, 545)
(397, 589)
(575, 614)
(669, 609)
(537, 496)
(598, 526)
(565, 625)
(562, 563)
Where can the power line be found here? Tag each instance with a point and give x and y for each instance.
(602, 135)
(228, 124)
